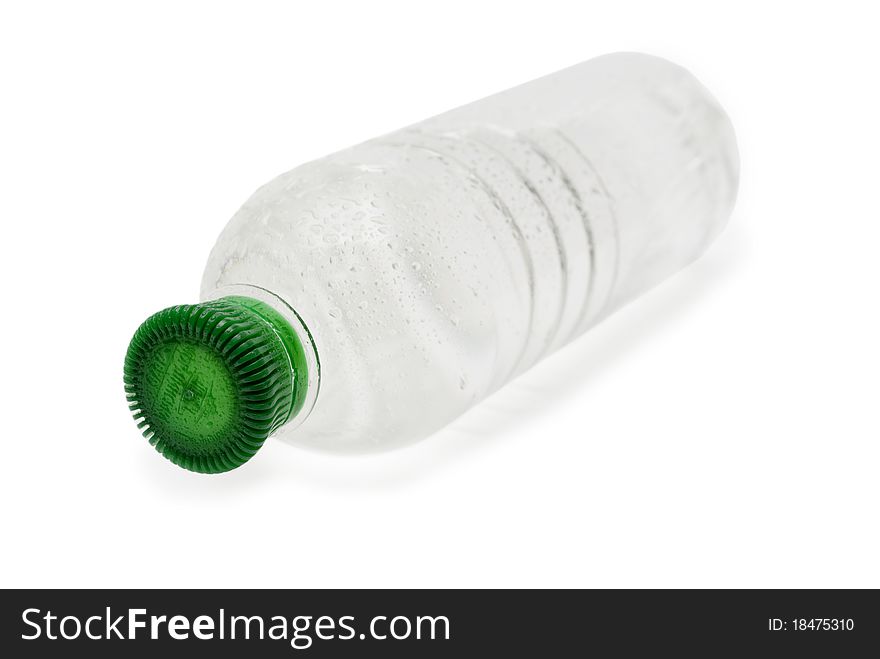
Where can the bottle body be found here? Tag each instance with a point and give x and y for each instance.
(432, 265)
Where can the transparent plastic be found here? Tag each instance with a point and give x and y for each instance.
(430, 266)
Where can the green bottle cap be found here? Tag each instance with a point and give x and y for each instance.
(208, 383)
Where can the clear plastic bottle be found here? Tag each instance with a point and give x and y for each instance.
(421, 270)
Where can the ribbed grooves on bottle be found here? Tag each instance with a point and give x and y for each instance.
(585, 222)
(551, 222)
(588, 230)
(250, 350)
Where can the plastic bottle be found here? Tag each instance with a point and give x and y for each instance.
(366, 299)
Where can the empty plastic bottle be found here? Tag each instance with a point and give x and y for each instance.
(366, 299)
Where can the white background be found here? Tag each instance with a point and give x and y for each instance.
(723, 430)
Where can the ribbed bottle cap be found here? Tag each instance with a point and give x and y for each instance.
(208, 383)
